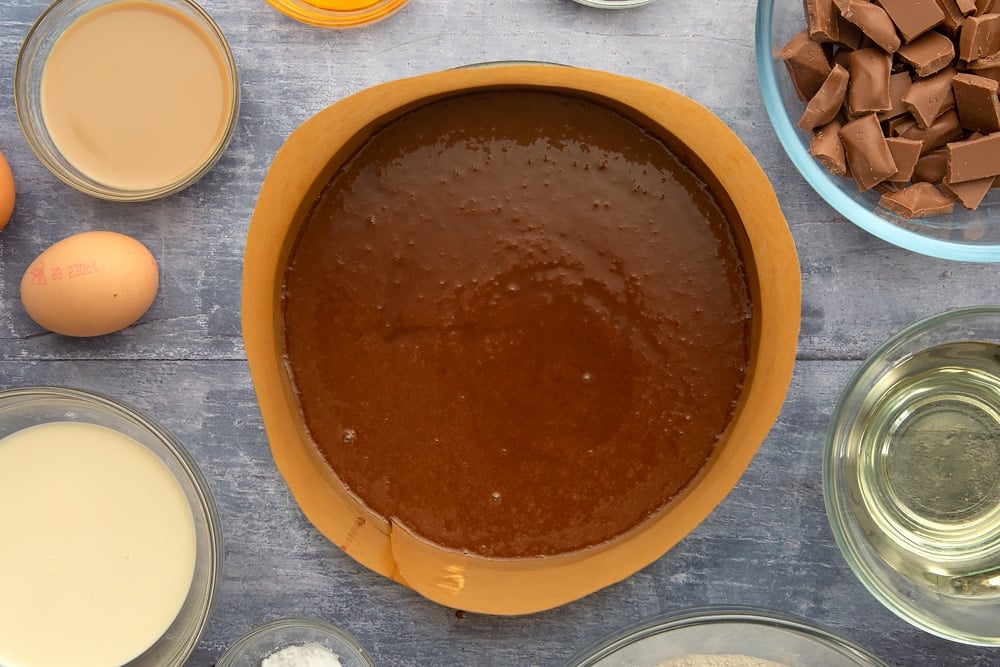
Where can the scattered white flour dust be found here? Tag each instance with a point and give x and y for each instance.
(303, 655)
(719, 661)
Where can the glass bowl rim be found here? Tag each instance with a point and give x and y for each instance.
(614, 4)
(718, 614)
(237, 648)
(180, 455)
(840, 517)
(820, 180)
(83, 183)
(306, 12)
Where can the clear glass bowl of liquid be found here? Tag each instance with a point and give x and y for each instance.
(113, 541)
(911, 474)
(152, 122)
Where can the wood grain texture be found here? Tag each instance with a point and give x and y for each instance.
(768, 544)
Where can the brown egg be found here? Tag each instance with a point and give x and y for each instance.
(6, 192)
(90, 284)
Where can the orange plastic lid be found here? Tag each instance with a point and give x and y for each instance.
(337, 13)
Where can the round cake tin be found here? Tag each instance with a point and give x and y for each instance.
(513, 585)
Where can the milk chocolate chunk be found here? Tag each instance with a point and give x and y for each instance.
(946, 128)
(953, 16)
(806, 63)
(988, 66)
(913, 18)
(867, 152)
(931, 96)
(895, 127)
(828, 149)
(973, 159)
(850, 34)
(969, 194)
(931, 167)
(827, 101)
(905, 153)
(977, 102)
(920, 200)
(929, 53)
(822, 18)
(899, 83)
(987, 6)
(869, 89)
(842, 57)
(966, 6)
(873, 21)
(886, 187)
(979, 36)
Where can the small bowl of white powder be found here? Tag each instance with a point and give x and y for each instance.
(722, 636)
(296, 642)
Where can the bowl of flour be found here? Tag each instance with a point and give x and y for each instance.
(296, 642)
(724, 636)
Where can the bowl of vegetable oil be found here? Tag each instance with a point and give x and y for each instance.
(911, 474)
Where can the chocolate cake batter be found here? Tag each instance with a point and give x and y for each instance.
(517, 324)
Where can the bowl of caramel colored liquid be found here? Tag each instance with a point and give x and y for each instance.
(148, 127)
(515, 330)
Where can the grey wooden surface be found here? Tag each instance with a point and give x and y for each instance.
(768, 543)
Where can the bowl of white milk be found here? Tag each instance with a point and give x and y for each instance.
(113, 540)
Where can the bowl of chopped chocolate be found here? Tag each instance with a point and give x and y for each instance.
(515, 330)
(890, 112)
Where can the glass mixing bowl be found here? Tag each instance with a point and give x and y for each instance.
(723, 630)
(614, 4)
(39, 43)
(911, 474)
(252, 648)
(27, 407)
(338, 13)
(964, 235)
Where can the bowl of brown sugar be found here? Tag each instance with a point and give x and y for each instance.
(516, 330)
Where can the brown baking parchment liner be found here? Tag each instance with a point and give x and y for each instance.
(308, 160)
